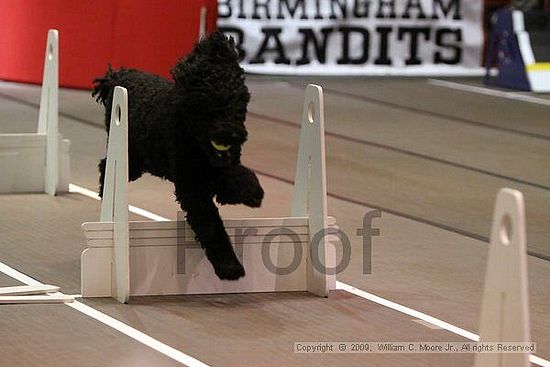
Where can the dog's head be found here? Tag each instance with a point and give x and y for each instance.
(211, 97)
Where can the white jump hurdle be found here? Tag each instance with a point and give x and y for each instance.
(32, 294)
(38, 162)
(505, 305)
(141, 258)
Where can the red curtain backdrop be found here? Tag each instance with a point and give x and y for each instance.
(146, 34)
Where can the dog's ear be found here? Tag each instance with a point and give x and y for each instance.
(210, 80)
(218, 48)
(215, 50)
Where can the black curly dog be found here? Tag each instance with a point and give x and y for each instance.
(190, 131)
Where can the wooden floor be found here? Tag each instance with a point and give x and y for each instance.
(430, 157)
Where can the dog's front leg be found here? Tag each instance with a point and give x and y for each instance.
(238, 185)
(204, 218)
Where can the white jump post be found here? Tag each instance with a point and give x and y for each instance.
(115, 196)
(146, 257)
(38, 162)
(505, 306)
(310, 186)
(202, 22)
(48, 116)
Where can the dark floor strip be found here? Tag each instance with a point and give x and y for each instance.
(336, 196)
(336, 135)
(62, 114)
(425, 112)
(403, 215)
(406, 152)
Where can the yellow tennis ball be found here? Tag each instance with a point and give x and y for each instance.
(220, 147)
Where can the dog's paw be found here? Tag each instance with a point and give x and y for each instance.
(228, 269)
(254, 197)
(225, 199)
(243, 187)
(225, 263)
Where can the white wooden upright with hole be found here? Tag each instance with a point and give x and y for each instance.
(505, 305)
(146, 258)
(310, 185)
(38, 162)
(202, 22)
(117, 207)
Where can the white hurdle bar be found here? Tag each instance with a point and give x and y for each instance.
(33, 294)
(505, 304)
(38, 162)
(124, 258)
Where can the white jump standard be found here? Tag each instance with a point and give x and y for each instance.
(141, 258)
(505, 305)
(38, 162)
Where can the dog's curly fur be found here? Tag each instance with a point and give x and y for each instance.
(172, 127)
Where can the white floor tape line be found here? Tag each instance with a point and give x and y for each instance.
(12, 273)
(424, 317)
(539, 361)
(92, 194)
(489, 92)
(137, 335)
(111, 322)
(406, 310)
(360, 293)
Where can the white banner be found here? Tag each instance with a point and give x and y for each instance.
(356, 37)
